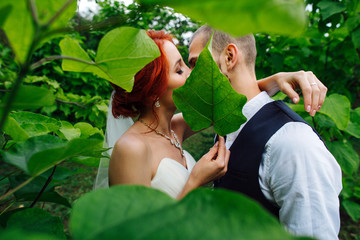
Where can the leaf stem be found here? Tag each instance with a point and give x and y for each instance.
(48, 59)
(33, 11)
(7, 207)
(44, 187)
(58, 13)
(15, 189)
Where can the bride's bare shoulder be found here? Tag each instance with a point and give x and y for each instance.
(131, 144)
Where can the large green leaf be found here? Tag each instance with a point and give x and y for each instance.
(20, 154)
(346, 156)
(207, 98)
(137, 212)
(329, 8)
(242, 16)
(98, 207)
(36, 124)
(37, 220)
(122, 52)
(68, 131)
(355, 37)
(13, 129)
(353, 127)
(337, 107)
(31, 190)
(40, 153)
(352, 208)
(19, 15)
(43, 160)
(15, 233)
(31, 97)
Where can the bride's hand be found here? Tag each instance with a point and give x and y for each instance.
(313, 90)
(212, 165)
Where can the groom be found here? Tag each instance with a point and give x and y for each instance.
(276, 157)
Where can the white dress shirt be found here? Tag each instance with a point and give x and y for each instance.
(300, 175)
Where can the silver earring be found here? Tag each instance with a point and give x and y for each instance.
(157, 103)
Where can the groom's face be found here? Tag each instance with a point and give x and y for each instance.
(196, 46)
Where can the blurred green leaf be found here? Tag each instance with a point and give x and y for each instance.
(122, 52)
(88, 161)
(68, 131)
(346, 156)
(43, 160)
(21, 36)
(125, 209)
(352, 208)
(337, 107)
(20, 154)
(275, 16)
(36, 124)
(19, 15)
(355, 37)
(45, 222)
(86, 129)
(52, 197)
(13, 129)
(207, 98)
(329, 8)
(16, 233)
(31, 97)
(5, 10)
(353, 127)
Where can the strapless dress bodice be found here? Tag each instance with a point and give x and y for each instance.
(171, 175)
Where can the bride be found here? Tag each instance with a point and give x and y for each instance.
(149, 152)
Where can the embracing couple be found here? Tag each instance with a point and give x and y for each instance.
(276, 158)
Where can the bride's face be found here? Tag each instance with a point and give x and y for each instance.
(178, 71)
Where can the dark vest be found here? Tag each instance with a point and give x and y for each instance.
(247, 150)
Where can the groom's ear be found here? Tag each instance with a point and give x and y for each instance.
(231, 56)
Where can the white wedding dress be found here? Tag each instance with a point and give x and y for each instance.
(170, 176)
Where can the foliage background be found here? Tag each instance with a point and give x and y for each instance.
(330, 48)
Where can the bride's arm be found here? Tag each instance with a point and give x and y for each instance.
(314, 91)
(210, 167)
(129, 163)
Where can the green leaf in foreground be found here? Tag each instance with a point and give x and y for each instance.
(207, 98)
(19, 15)
(30, 97)
(337, 107)
(45, 222)
(138, 212)
(242, 16)
(122, 52)
(40, 153)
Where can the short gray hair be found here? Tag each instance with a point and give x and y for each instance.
(246, 43)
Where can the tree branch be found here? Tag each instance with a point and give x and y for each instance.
(48, 59)
(74, 103)
(15, 189)
(44, 187)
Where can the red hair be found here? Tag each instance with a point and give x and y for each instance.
(150, 83)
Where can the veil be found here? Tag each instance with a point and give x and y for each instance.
(115, 127)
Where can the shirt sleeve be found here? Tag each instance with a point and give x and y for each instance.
(303, 178)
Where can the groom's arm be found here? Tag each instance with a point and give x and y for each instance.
(314, 92)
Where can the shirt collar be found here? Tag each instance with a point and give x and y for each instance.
(255, 104)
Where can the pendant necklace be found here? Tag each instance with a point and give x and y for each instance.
(176, 143)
